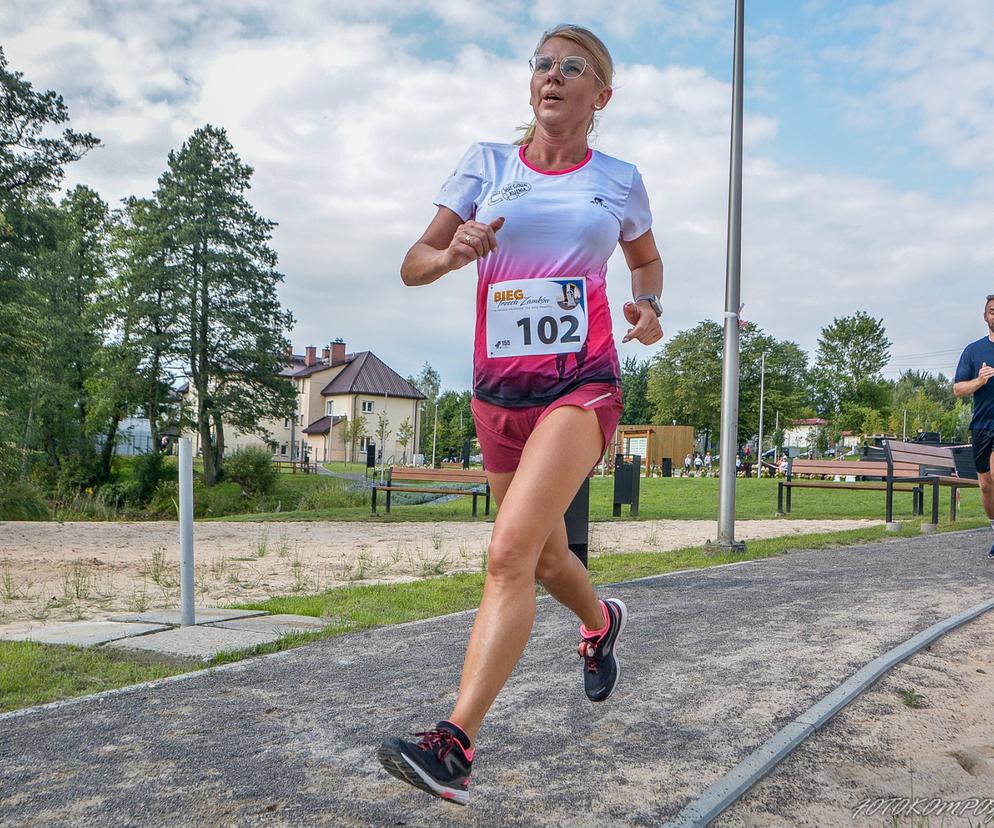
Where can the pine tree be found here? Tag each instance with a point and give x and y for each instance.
(235, 331)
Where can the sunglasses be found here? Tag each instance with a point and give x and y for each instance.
(570, 67)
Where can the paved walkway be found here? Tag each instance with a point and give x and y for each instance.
(714, 662)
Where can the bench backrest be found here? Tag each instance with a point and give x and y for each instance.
(938, 458)
(864, 468)
(402, 474)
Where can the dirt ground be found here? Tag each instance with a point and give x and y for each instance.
(72, 571)
(880, 748)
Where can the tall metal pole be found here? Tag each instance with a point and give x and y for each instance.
(186, 572)
(762, 387)
(730, 369)
(434, 435)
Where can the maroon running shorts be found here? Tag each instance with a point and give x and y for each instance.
(502, 432)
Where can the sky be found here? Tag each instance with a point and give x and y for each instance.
(868, 170)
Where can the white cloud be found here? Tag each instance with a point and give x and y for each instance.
(351, 133)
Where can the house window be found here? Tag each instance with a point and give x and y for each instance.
(328, 407)
(367, 406)
(286, 424)
(364, 443)
(283, 449)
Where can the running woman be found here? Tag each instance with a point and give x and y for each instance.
(976, 367)
(540, 218)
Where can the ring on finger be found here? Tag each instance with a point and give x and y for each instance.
(467, 238)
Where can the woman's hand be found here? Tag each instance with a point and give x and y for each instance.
(472, 240)
(645, 324)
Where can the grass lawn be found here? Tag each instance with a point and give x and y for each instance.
(33, 674)
(668, 498)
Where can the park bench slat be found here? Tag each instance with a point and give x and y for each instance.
(477, 480)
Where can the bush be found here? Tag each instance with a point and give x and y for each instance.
(147, 471)
(253, 469)
(20, 500)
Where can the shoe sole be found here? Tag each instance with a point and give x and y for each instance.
(617, 602)
(397, 764)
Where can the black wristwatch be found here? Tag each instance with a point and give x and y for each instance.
(653, 301)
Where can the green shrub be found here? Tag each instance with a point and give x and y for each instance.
(331, 493)
(253, 469)
(20, 500)
(147, 471)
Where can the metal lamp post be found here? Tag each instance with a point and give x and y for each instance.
(733, 263)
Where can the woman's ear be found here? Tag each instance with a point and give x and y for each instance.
(603, 97)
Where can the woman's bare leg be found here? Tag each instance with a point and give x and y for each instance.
(558, 569)
(556, 459)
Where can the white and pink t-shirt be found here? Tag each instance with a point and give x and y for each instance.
(543, 325)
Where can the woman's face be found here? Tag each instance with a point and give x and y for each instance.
(563, 104)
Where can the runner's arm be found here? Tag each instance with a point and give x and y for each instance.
(967, 387)
(646, 266)
(442, 247)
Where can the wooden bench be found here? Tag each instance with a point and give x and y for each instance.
(871, 475)
(936, 467)
(400, 479)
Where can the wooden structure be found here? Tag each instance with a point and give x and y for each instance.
(653, 443)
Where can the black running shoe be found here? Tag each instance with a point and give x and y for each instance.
(990, 554)
(438, 763)
(601, 667)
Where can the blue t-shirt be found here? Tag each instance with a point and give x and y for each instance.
(974, 355)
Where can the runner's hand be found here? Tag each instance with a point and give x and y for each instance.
(646, 328)
(471, 241)
(986, 372)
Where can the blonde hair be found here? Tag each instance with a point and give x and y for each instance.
(601, 63)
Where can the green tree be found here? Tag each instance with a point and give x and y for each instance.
(852, 353)
(234, 327)
(429, 383)
(148, 316)
(405, 431)
(70, 280)
(455, 422)
(32, 162)
(786, 384)
(634, 391)
(684, 382)
(355, 430)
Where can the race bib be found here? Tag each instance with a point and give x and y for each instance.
(535, 317)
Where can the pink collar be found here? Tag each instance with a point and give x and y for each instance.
(521, 155)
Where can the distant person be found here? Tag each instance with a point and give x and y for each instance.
(738, 465)
(976, 366)
(698, 462)
(783, 465)
(686, 466)
(708, 462)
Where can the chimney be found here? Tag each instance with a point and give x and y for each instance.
(326, 355)
(310, 356)
(337, 351)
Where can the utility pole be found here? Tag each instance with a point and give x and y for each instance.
(762, 386)
(733, 268)
(434, 435)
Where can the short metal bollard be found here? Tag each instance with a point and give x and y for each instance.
(627, 477)
(186, 571)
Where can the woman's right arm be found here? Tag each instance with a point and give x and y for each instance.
(448, 244)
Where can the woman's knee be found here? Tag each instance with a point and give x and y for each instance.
(510, 558)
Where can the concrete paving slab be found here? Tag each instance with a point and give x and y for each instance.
(280, 624)
(82, 634)
(191, 644)
(202, 615)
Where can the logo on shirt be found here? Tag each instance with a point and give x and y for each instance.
(599, 202)
(509, 192)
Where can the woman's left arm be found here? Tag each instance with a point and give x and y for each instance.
(646, 266)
